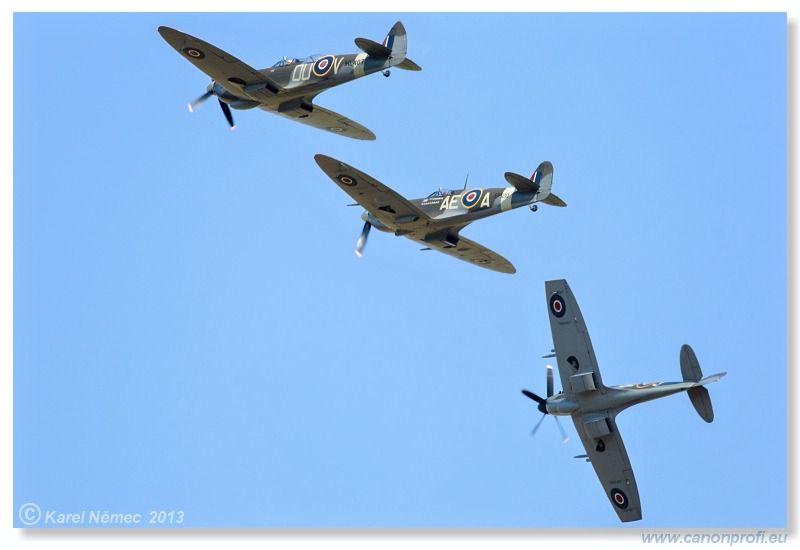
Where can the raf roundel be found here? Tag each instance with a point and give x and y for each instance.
(471, 198)
(194, 53)
(323, 65)
(347, 180)
(619, 498)
(557, 305)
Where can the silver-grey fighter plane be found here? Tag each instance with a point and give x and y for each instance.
(593, 406)
(436, 220)
(288, 88)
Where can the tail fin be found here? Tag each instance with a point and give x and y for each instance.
(543, 177)
(394, 47)
(397, 41)
(690, 366)
(698, 395)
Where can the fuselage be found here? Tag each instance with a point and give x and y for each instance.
(460, 208)
(616, 398)
(302, 78)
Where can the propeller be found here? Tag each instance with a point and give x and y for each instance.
(228, 116)
(200, 100)
(564, 437)
(543, 405)
(536, 427)
(226, 110)
(362, 240)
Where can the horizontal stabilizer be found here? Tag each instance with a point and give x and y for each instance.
(712, 378)
(702, 403)
(521, 183)
(372, 48)
(408, 65)
(553, 200)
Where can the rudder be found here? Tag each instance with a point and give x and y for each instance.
(543, 177)
(690, 367)
(397, 42)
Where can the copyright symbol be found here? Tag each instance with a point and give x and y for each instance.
(30, 514)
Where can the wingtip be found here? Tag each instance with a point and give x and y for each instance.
(173, 37)
(365, 135)
(323, 160)
(165, 31)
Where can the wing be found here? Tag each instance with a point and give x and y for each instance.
(472, 252)
(324, 119)
(228, 71)
(388, 206)
(607, 454)
(577, 364)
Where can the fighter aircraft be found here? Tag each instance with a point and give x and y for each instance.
(594, 406)
(436, 220)
(289, 87)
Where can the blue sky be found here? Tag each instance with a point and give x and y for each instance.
(192, 331)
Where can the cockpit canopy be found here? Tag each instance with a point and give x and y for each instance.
(286, 61)
(441, 193)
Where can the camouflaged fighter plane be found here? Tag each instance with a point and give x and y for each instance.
(594, 406)
(288, 88)
(436, 220)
